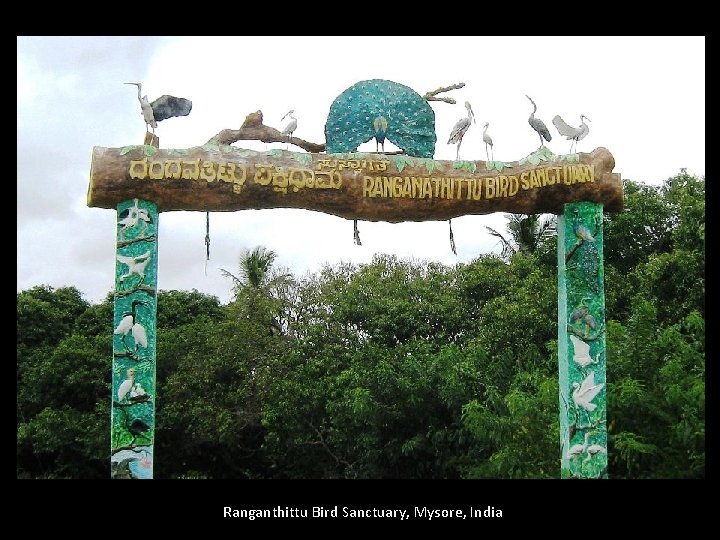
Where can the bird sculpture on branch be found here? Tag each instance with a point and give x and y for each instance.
(571, 133)
(290, 127)
(162, 108)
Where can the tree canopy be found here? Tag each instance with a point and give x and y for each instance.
(390, 369)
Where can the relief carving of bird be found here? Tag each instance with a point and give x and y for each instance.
(585, 392)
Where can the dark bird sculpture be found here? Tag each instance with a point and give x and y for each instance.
(538, 125)
(162, 108)
(571, 133)
(406, 119)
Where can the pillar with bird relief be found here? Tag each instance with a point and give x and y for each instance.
(134, 339)
(581, 342)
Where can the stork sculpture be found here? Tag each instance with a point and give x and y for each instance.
(162, 108)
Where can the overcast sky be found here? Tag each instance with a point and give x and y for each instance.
(645, 97)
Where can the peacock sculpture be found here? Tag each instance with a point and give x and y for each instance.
(384, 110)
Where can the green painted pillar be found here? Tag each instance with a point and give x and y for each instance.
(134, 338)
(581, 342)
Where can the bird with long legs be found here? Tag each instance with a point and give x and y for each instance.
(291, 126)
(538, 125)
(571, 133)
(460, 128)
(130, 325)
(576, 449)
(162, 108)
(488, 141)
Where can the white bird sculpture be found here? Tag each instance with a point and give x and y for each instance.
(136, 265)
(460, 128)
(127, 384)
(137, 390)
(291, 125)
(594, 449)
(576, 449)
(581, 353)
(584, 393)
(538, 125)
(487, 140)
(131, 216)
(129, 325)
(571, 133)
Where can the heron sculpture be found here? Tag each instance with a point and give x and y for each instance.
(571, 133)
(290, 127)
(538, 125)
(488, 140)
(129, 325)
(162, 108)
(460, 128)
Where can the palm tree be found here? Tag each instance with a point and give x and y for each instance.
(255, 267)
(526, 233)
(258, 279)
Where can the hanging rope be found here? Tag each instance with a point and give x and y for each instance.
(356, 233)
(207, 240)
(452, 238)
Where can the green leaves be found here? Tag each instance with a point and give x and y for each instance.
(389, 369)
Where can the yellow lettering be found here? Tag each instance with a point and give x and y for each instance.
(524, 182)
(191, 169)
(139, 169)
(156, 170)
(173, 169)
(208, 171)
(406, 191)
(389, 186)
(490, 187)
(263, 175)
(436, 183)
(502, 186)
(476, 191)
(237, 182)
(367, 186)
(534, 182)
(445, 189)
(378, 191)
(513, 186)
(416, 186)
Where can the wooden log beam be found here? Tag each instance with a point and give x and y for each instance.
(366, 186)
